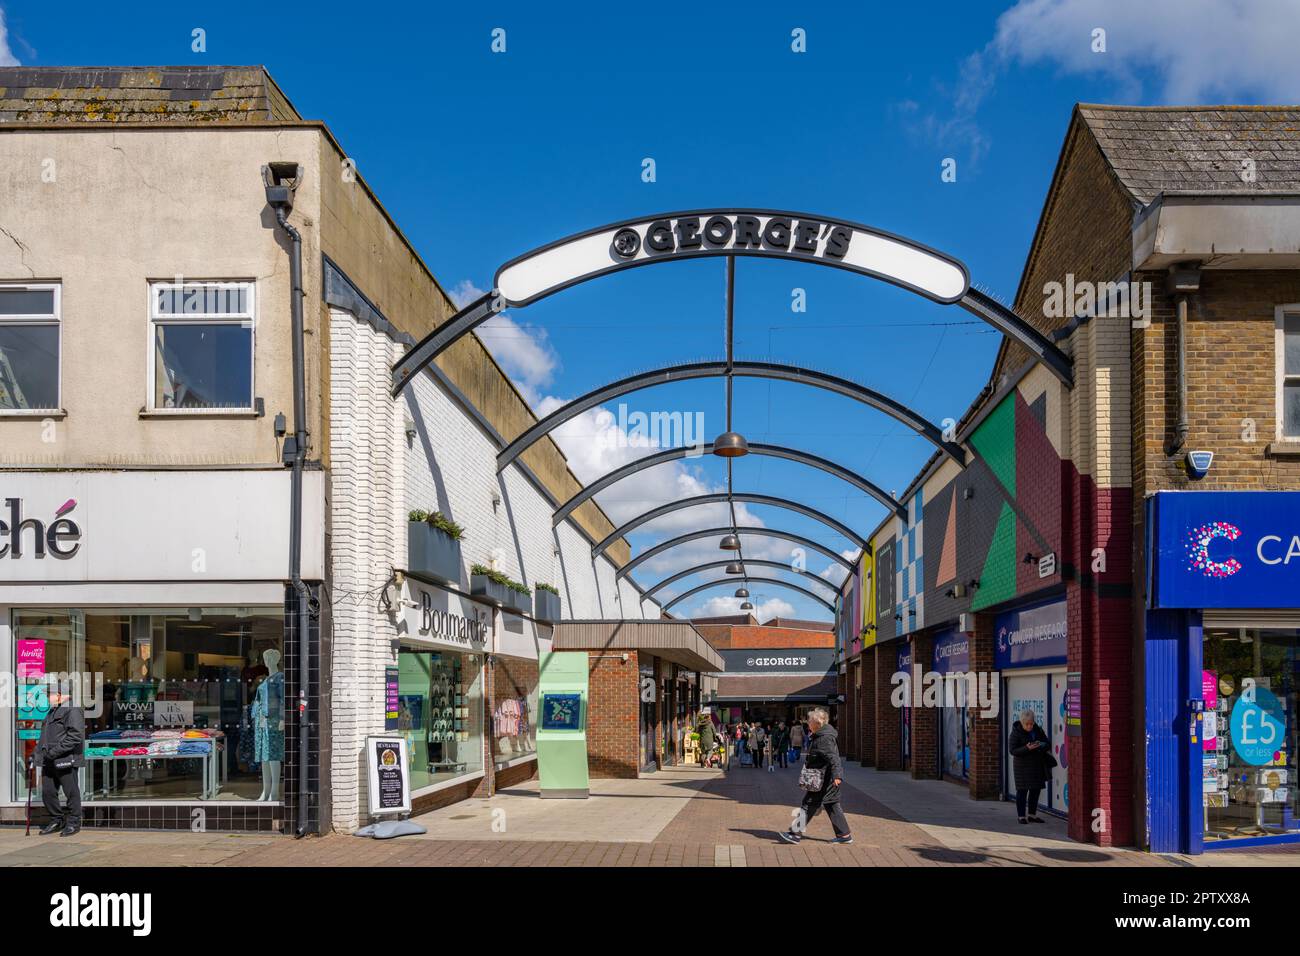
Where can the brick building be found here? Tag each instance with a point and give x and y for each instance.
(774, 671)
(1138, 597)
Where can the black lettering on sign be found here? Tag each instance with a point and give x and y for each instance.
(717, 231)
(777, 233)
(659, 237)
(805, 236)
(688, 234)
(747, 232)
(838, 243)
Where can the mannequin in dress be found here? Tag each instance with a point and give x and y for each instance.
(268, 725)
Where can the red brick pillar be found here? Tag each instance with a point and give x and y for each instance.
(867, 711)
(888, 719)
(925, 720)
(985, 732)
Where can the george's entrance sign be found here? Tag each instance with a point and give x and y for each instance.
(688, 235)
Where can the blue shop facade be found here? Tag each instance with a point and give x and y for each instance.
(1221, 656)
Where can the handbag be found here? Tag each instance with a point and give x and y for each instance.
(65, 763)
(811, 778)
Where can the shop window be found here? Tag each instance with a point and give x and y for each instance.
(179, 705)
(440, 712)
(1289, 375)
(29, 347)
(201, 354)
(1248, 732)
(514, 726)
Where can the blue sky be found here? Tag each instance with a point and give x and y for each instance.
(481, 156)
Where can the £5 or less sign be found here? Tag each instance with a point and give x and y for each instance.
(1258, 725)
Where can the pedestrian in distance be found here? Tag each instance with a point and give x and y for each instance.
(1031, 765)
(820, 779)
(60, 753)
(796, 739)
(756, 738)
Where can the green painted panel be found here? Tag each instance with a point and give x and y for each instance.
(562, 753)
(995, 440)
(998, 579)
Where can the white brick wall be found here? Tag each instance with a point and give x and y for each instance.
(377, 477)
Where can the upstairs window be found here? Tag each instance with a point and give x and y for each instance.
(1289, 375)
(29, 347)
(201, 355)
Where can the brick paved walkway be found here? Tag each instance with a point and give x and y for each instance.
(685, 817)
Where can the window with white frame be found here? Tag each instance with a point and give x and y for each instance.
(201, 346)
(29, 347)
(1289, 373)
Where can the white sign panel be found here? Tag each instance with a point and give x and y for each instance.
(173, 713)
(436, 616)
(155, 526)
(520, 637)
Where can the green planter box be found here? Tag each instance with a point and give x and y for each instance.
(432, 552)
(546, 606)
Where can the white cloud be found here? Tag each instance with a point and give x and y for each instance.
(764, 611)
(7, 57)
(1176, 51)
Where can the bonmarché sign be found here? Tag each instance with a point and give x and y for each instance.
(447, 618)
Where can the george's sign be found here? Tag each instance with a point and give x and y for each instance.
(731, 232)
(59, 537)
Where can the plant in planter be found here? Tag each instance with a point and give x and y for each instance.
(433, 545)
(498, 588)
(546, 603)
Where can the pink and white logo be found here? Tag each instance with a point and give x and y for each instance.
(1198, 549)
(61, 538)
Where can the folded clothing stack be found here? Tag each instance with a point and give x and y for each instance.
(131, 752)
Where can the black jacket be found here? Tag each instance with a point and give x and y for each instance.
(824, 752)
(1029, 767)
(63, 734)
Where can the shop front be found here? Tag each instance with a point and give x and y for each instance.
(778, 684)
(1030, 654)
(951, 661)
(512, 697)
(436, 687)
(905, 718)
(159, 601)
(1223, 663)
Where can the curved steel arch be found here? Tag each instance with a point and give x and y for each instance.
(879, 248)
(755, 448)
(722, 497)
(722, 564)
(671, 543)
(773, 370)
(785, 584)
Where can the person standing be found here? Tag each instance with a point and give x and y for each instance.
(705, 730)
(1031, 765)
(796, 739)
(756, 737)
(60, 753)
(782, 744)
(823, 755)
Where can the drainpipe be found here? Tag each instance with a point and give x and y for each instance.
(1183, 280)
(281, 180)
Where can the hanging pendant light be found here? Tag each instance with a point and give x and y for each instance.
(735, 567)
(742, 592)
(730, 543)
(746, 606)
(730, 445)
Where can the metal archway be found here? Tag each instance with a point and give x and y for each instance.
(730, 233)
(752, 580)
(671, 543)
(755, 448)
(762, 562)
(723, 497)
(769, 370)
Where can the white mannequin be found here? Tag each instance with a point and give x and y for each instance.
(271, 768)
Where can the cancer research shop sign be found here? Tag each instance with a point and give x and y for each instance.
(1032, 636)
(1223, 549)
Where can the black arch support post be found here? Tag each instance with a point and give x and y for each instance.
(757, 562)
(671, 543)
(751, 580)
